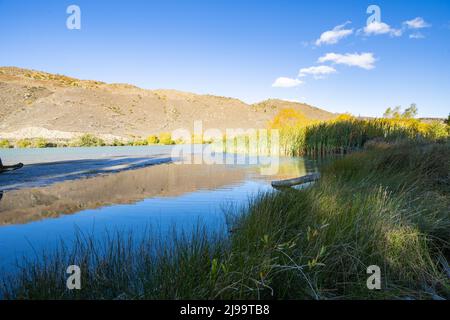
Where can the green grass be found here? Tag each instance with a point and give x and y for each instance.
(387, 205)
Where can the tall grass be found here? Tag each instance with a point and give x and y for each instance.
(346, 133)
(300, 136)
(385, 206)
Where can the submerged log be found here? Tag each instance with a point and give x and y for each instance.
(296, 181)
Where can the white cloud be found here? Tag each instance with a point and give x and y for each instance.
(333, 36)
(416, 35)
(363, 60)
(377, 28)
(284, 82)
(318, 72)
(417, 23)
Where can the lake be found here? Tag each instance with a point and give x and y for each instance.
(62, 192)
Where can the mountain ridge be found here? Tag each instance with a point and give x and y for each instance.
(40, 104)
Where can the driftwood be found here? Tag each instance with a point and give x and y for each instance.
(296, 181)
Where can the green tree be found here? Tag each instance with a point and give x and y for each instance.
(410, 112)
(388, 113)
(397, 112)
(447, 122)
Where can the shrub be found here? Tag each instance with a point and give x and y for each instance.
(152, 140)
(137, 143)
(5, 144)
(41, 143)
(118, 143)
(166, 139)
(181, 141)
(24, 143)
(89, 140)
(436, 130)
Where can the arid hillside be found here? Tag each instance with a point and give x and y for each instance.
(38, 104)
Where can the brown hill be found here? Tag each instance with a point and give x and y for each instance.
(39, 104)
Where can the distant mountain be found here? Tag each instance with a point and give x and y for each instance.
(40, 104)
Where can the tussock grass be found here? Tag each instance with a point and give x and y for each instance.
(387, 205)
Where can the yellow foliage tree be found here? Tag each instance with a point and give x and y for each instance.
(289, 118)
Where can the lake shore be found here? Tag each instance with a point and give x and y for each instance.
(60, 165)
(386, 206)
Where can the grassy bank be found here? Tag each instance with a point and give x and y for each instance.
(386, 206)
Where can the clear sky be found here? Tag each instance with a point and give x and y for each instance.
(248, 49)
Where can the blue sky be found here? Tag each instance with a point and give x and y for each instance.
(240, 48)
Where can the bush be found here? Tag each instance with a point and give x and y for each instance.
(5, 144)
(118, 143)
(89, 140)
(166, 139)
(138, 143)
(436, 130)
(24, 143)
(152, 140)
(41, 143)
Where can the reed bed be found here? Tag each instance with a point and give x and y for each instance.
(291, 134)
(347, 133)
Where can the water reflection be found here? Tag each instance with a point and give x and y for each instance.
(21, 206)
(165, 180)
(165, 196)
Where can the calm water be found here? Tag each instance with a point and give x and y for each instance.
(31, 156)
(35, 216)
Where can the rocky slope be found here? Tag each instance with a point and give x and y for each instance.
(38, 104)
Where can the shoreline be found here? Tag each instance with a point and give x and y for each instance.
(47, 173)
